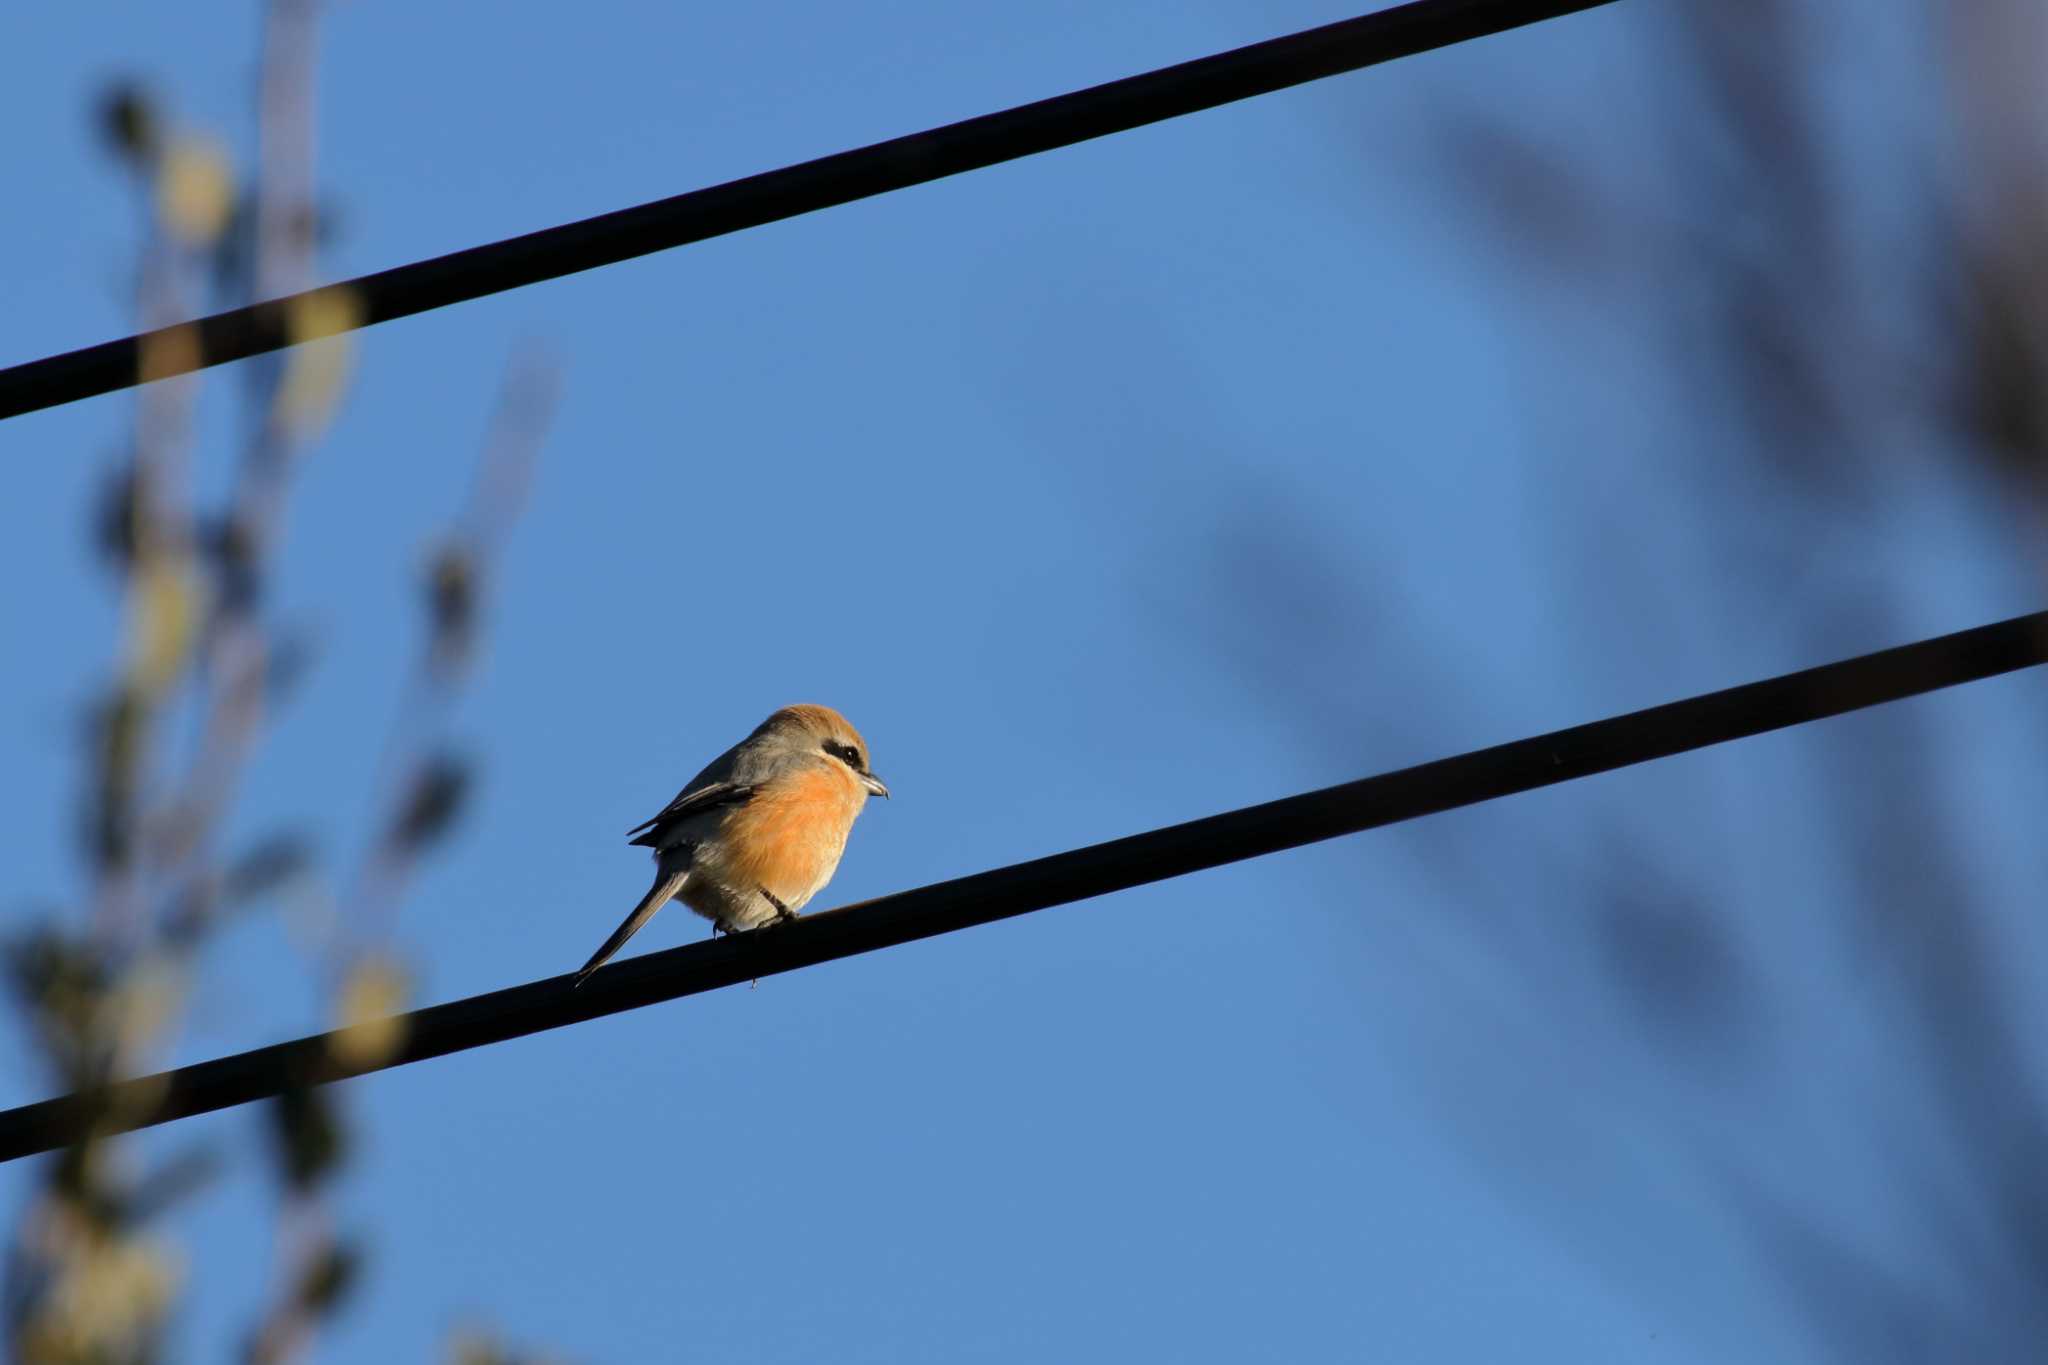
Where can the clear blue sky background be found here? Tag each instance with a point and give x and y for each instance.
(969, 462)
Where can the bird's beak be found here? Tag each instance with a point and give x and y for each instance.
(874, 784)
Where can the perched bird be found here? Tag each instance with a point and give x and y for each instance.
(758, 832)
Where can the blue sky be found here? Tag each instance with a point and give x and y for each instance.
(973, 463)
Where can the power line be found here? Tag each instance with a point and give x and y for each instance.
(772, 196)
(1177, 850)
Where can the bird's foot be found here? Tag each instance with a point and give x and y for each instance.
(783, 914)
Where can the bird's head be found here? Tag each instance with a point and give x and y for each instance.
(807, 728)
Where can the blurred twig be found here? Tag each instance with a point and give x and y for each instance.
(204, 664)
(1831, 293)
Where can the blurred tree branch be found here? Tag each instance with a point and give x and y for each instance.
(1839, 299)
(89, 1282)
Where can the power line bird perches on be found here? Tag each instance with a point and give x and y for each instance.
(1175, 851)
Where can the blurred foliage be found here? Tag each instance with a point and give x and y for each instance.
(1830, 302)
(195, 190)
(320, 1287)
(310, 1141)
(431, 802)
(84, 1289)
(368, 1030)
(475, 1347)
(317, 367)
(129, 124)
(451, 603)
(90, 1280)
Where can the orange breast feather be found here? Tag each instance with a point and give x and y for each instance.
(788, 838)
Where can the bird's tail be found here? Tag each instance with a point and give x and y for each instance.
(666, 884)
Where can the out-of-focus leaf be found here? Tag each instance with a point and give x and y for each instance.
(273, 861)
(91, 1018)
(128, 122)
(163, 617)
(64, 982)
(231, 553)
(116, 734)
(1558, 212)
(191, 913)
(46, 966)
(84, 1178)
(98, 1298)
(329, 224)
(478, 1346)
(317, 366)
(451, 603)
(172, 351)
(144, 998)
(1678, 966)
(195, 190)
(321, 1284)
(311, 1142)
(91, 1011)
(330, 1277)
(114, 518)
(432, 800)
(2006, 366)
(368, 1032)
(301, 228)
(84, 1183)
(234, 255)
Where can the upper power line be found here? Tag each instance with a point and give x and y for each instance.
(1524, 765)
(773, 195)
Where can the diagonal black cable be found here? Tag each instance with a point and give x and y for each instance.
(1174, 851)
(772, 196)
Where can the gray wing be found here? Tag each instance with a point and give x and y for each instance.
(690, 801)
(728, 780)
(718, 785)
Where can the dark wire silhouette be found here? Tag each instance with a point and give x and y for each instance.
(1483, 775)
(768, 197)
